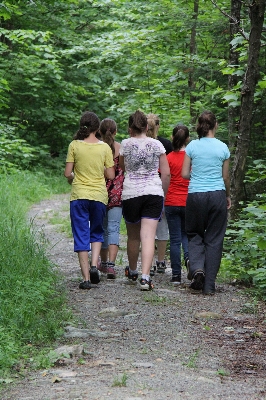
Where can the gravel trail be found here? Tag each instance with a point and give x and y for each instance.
(133, 345)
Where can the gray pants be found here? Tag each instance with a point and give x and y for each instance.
(206, 220)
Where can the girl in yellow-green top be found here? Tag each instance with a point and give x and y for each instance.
(89, 161)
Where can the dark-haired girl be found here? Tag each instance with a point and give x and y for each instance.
(206, 163)
(143, 192)
(89, 161)
(175, 202)
(113, 216)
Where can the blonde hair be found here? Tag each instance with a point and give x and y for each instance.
(153, 125)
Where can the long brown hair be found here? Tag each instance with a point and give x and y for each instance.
(107, 129)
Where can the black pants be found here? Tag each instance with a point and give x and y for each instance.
(206, 220)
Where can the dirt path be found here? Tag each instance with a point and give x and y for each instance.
(165, 344)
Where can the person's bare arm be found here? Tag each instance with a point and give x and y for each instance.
(226, 178)
(109, 173)
(69, 174)
(186, 168)
(165, 172)
(122, 162)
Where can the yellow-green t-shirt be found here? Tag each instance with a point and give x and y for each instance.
(89, 162)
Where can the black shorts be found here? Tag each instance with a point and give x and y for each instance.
(148, 206)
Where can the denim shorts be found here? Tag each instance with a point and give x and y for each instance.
(162, 232)
(86, 223)
(111, 226)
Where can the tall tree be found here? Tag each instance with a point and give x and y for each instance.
(257, 13)
(192, 49)
(233, 111)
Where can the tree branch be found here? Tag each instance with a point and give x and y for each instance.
(232, 19)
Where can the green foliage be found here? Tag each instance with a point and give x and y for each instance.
(62, 57)
(245, 244)
(59, 58)
(32, 296)
(15, 153)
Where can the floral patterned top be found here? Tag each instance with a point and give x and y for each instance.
(115, 187)
(141, 158)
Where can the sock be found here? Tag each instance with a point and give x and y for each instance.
(144, 276)
(133, 271)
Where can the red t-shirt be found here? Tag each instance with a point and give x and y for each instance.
(178, 188)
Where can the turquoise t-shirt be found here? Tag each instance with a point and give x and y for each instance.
(207, 156)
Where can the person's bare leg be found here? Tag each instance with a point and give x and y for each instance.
(147, 237)
(95, 252)
(161, 249)
(113, 250)
(104, 255)
(84, 264)
(133, 243)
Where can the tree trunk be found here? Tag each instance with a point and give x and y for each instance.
(192, 49)
(257, 10)
(233, 112)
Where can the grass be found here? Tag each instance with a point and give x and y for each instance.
(192, 361)
(62, 222)
(120, 382)
(223, 372)
(155, 299)
(123, 228)
(33, 311)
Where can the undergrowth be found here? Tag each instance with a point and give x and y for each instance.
(244, 249)
(33, 301)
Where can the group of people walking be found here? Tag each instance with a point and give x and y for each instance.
(183, 190)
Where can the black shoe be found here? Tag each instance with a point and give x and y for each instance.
(94, 275)
(153, 270)
(146, 285)
(198, 281)
(131, 276)
(161, 267)
(176, 279)
(85, 285)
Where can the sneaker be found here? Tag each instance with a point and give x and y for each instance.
(102, 267)
(161, 267)
(176, 279)
(110, 271)
(197, 281)
(146, 285)
(133, 277)
(94, 274)
(85, 285)
(153, 270)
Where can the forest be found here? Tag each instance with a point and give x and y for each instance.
(172, 58)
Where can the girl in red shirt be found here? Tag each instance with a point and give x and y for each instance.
(175, 202)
